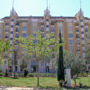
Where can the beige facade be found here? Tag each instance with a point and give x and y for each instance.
(73, 29)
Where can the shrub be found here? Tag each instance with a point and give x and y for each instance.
(42, 74)
(1, 74)
(25, 73)
(83, 74)
(6, 73)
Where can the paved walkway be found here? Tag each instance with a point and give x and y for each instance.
(18, 88)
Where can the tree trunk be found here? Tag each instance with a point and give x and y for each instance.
(37, 70)
(75, 82)
(60, 84)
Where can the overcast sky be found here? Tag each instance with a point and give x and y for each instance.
(37, 7)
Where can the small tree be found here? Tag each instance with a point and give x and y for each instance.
(40, 47)
(87, 57)
(4, 47)
(60, 68)
(75, 62)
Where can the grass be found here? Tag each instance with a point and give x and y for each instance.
(84, 80)
(45, 82)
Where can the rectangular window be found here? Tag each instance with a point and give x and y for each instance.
(34, 41)
(86, 30)
(6, 29)
(6, 36)
(11, 26)
(52, 28)
(70, 35)
(77, 36)
(34, 35)
(11, 38)
(70, 41)
(6, 24)
(17, 24)
(0, 35)
(24, 35)
(42, 35)
(46, 19)
(24, 28)
(81, 20)
(82, 38)
(77, 30)
(11, 32)
(81, 26)
(17, 29)
(47, 26)
(17, 35)
(12, 19)
(77, 24)
(42, 28)
(47, 29)
(82, 32)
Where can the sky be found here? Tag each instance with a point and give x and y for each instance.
(37, 7)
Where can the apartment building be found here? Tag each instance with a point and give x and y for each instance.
(73, 29)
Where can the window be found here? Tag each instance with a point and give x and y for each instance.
(46, 19)
(17, 35)
(70, 35)
(17, 23)
(16, 42)
(24, 28)
(24, 35)
(86, 30)
(82, 38)
(77, 36)
(6, 24)
(11, 38)
(6, 36)
(47, 29)
(77, 30)
(42, 35)
(77, 24)
(77, 41)
(52, 37)
(42, 29)
(34, 41)
(82, 32)
(12, 19)
(17, 29)
(6, 30)
(34, 35)
(81, 26)
(81, 20)
(0, 35)
(11, 32)
(11, 26)
(70, 41)
(47, 26)
(52, 28)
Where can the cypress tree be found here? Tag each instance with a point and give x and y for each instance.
(60, 68)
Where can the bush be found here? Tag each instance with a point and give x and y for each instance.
(83, 74)
(1, 74)
(25, 73)
(6, 73)
(42, 74)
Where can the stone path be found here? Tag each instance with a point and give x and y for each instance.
(18, 88)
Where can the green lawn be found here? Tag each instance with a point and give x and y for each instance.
(44, 82)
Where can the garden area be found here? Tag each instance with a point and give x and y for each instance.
(45, 82)
(64, 60)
